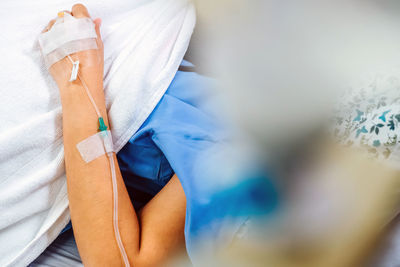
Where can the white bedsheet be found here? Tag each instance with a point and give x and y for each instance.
(145, 41)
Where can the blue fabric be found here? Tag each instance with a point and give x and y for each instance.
(179, 137)
(173, 134)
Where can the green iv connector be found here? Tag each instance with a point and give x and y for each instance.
(102, 125)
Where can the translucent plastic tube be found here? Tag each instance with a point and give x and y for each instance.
(113, 178)
(87, 90)
(115, 208)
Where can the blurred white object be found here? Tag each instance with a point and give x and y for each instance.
(282, 62)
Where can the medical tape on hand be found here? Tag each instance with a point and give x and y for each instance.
(68, 35)
(95, 146)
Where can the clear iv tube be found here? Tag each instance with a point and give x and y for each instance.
(115, 215)
(87, 91)
(114, 181)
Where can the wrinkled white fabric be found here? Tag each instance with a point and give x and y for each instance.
(144, 40)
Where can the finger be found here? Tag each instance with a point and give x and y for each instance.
(48, 27)
(97, 23)
(65, 11)
(80, 11)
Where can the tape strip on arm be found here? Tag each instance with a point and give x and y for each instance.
(95, 146)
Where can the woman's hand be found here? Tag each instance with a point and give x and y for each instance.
(91, 62)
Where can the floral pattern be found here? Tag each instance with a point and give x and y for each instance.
(367, 116)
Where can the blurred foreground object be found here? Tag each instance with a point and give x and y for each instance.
(281, 65)
(338, 206)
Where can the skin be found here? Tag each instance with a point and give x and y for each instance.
(150, 236)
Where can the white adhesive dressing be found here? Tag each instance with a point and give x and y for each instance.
(95, 146)
(67, 36)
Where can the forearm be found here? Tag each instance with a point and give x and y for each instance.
(162, 220)
(90, 184)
